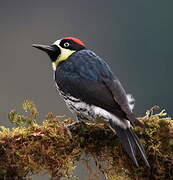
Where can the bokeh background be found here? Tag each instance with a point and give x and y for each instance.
(134, 37)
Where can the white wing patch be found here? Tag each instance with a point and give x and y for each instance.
(131, 101)
(99, 112)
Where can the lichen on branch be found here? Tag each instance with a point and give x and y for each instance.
(30, 148)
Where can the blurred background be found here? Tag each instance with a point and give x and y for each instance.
(134, 37)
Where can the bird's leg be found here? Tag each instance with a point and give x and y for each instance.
(79, 121)
(72, 124)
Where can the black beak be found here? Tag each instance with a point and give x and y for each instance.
(45, 48)
(52, 50)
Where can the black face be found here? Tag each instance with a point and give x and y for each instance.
(70, 44)
(54, 53)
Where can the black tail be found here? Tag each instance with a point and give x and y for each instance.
(131, 143)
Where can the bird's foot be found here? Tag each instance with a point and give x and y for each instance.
(72, 126)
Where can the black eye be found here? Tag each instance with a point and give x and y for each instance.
(66, 44)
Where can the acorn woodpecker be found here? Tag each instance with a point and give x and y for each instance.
(91, 90)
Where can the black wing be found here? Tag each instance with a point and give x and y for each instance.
(87, 77)
(120, 96)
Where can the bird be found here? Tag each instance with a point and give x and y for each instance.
(91, 91)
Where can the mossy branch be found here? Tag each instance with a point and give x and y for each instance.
(30, 148)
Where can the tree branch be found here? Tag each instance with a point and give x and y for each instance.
(30, 148)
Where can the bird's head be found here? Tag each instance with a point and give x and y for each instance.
(61, 49)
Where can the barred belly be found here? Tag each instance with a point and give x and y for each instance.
(86, 112)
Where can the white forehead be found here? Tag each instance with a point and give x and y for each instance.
(57, 42)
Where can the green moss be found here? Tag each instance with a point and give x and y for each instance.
(30, 148)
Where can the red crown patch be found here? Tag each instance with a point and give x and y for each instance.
(78, 41)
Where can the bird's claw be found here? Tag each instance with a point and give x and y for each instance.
(72, 126)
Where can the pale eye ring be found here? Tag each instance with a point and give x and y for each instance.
(66, 44)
